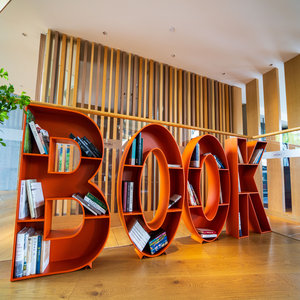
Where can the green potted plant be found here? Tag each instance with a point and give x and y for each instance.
(10, 101)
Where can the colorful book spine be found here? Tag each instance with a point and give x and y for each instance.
(98, 201)
(132, 159)
(38, 253)
(19, 256)
(34, 254)
(86, 204)
(95, 206)
(67, 160)
(139, 149)
(125, 183)
(36, 137)
(195, 159)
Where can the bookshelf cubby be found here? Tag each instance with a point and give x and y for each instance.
(158, 141)
(213, 215)
(245, 201)
(70, 249)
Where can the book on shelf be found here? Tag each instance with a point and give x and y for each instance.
(221, 195)
(174, 199)
(66, 157)
(44, 137)
(206, 233)
(86, 204)
(96, 203)
(193, 197)
(239, 184)
(195, 159)
(240, 225)
(128, 190)
(218, 161)
(240, 157)
(28, 135)
(37, 138)
(37, 198)
(139, 149)
(157, 241)
(139, 235)
(132, 155)
(174, 165)
(256, 156)
(87, 147)
(23, 202)
(32, 253)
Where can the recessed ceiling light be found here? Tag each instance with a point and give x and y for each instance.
(173, 55)
(104, 32)
(271, 65)
(172, 29)
(24, 34)
(223, 73)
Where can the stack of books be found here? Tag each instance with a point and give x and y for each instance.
(174, 199)
(32, 253)
(128, 190)
(139, 235)
(256, 156)
(240, 157)
(66, 158)
(31, 199)
(195, 159)
(87, 147)
(218, 161)
(41, 136)
(136, 151)
(193, 197)
(92, 203)
(158, 241)
(207, 233)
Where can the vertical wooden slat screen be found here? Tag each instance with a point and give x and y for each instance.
(40, 67)
(76, 72)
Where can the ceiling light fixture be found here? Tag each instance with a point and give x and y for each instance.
(223, 73)
(3, 4)
(271, 65)
(172, 29)
(104, 32)
(24, 34)
(173, 55)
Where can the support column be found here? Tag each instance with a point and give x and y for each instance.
(253, 122)
(237, 110)
(272, 119)
(292, 78)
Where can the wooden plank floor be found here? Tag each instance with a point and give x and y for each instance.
(260, 267)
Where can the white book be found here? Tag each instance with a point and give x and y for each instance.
(255, 155)
(134, 237)
(84, 203)
(36, 137)
(142, 232)
(130, 196)
(29, 256)
(30, 197)
(174, 199)
(34, 254)
(28, 233)
(45, 255)
(38, 129)
(208, 236)
(240, 157)
(23, 202)
(19, 255)
(221, 195)
(192, 200)
(38, 198)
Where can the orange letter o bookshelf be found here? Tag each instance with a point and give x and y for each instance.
(214, 215)
(158, 140)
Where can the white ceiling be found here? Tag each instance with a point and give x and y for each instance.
(240, 38)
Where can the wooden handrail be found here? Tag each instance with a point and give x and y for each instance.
(139, 119)
(148, 120)
(275, 133)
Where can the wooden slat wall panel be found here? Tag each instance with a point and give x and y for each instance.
(126, 83)
(40, 67)
(54, 68)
